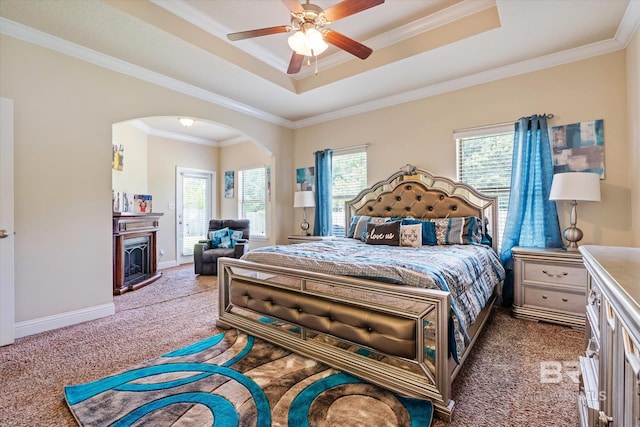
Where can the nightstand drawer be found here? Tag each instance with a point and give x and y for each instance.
(557, 300)
(555, 274)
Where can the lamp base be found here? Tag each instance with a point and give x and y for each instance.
(304, 225)
(573, 235)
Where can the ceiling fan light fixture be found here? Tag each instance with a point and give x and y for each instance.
(307, 42)
(186, 122)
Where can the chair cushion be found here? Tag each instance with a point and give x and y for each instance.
(212, 255)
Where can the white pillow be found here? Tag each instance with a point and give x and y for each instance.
(411, 235)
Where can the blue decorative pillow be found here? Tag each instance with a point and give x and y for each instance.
(460, 231)
(220, 238)
(235, 236)
(428, 229)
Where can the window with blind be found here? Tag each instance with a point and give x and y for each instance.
(349, 170)
(484, 162)
(252, 199)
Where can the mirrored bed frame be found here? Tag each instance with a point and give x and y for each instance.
(391, 335)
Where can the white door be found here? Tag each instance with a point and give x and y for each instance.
(195, 196)
(7, 302)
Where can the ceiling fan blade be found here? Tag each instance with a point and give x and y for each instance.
(347, 44)
(293, 5)
(295, 64)
(349, 7)
(259, 32)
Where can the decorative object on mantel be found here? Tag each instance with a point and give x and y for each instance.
(579, 147)
(142, 203)
(575, 186)
(229, 178)
(304, 200)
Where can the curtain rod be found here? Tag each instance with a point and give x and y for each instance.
(353, 147)
(478, 128)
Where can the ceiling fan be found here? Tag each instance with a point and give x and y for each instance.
(310, 36)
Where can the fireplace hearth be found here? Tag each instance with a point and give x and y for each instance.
(134, 250)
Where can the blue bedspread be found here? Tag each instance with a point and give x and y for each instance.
(469, 272)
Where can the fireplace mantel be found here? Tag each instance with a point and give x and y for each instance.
(134, 228)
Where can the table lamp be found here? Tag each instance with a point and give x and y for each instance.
(304, 200)
(575, 186)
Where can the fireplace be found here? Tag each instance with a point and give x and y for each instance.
(134, 250)
(136, 260)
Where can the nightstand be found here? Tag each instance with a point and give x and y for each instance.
(550, 285)
(303, 239)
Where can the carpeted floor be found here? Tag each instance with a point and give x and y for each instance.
(500, 384)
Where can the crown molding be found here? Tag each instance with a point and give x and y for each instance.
(391, 37)
(194, 16)
(140, 125)
(629, 23)
(528, 66)
(57, 44)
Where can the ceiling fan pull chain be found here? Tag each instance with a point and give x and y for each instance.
(316, 65)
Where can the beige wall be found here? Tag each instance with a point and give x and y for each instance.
(633, 100)
(64, 112)
(245, 156)
(420, 132)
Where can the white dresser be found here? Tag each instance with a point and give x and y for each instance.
(610, 369)
(549, 285)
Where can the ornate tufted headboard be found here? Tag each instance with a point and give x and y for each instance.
(415, 193)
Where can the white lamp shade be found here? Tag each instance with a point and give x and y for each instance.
(304, 199)
(579, 186)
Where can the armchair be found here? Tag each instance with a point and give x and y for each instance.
(206, 258)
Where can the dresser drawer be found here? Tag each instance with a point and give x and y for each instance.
(560, 274)
(554, 299)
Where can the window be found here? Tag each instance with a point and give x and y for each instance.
(484, 162)
(252, 200)
(349, 169)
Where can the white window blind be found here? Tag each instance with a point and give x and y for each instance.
(252, 200)
(349, 170)
(484, 162)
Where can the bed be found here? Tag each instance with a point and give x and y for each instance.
(402, 317)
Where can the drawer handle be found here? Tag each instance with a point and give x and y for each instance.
(565, 299)
(557, 276)
(593, 348)
(544, 296)
(593, 299)
(604, 419)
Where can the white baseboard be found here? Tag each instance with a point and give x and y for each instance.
(43, 324)
(167, 264)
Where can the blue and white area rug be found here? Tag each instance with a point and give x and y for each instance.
(233, 379)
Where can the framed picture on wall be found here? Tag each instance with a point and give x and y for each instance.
(579, 147)
(229, 182)
(305, 178)
(117, 157)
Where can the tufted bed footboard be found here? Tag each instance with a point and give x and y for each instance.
(393, 336)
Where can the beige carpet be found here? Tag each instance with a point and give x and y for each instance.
(498, 385)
